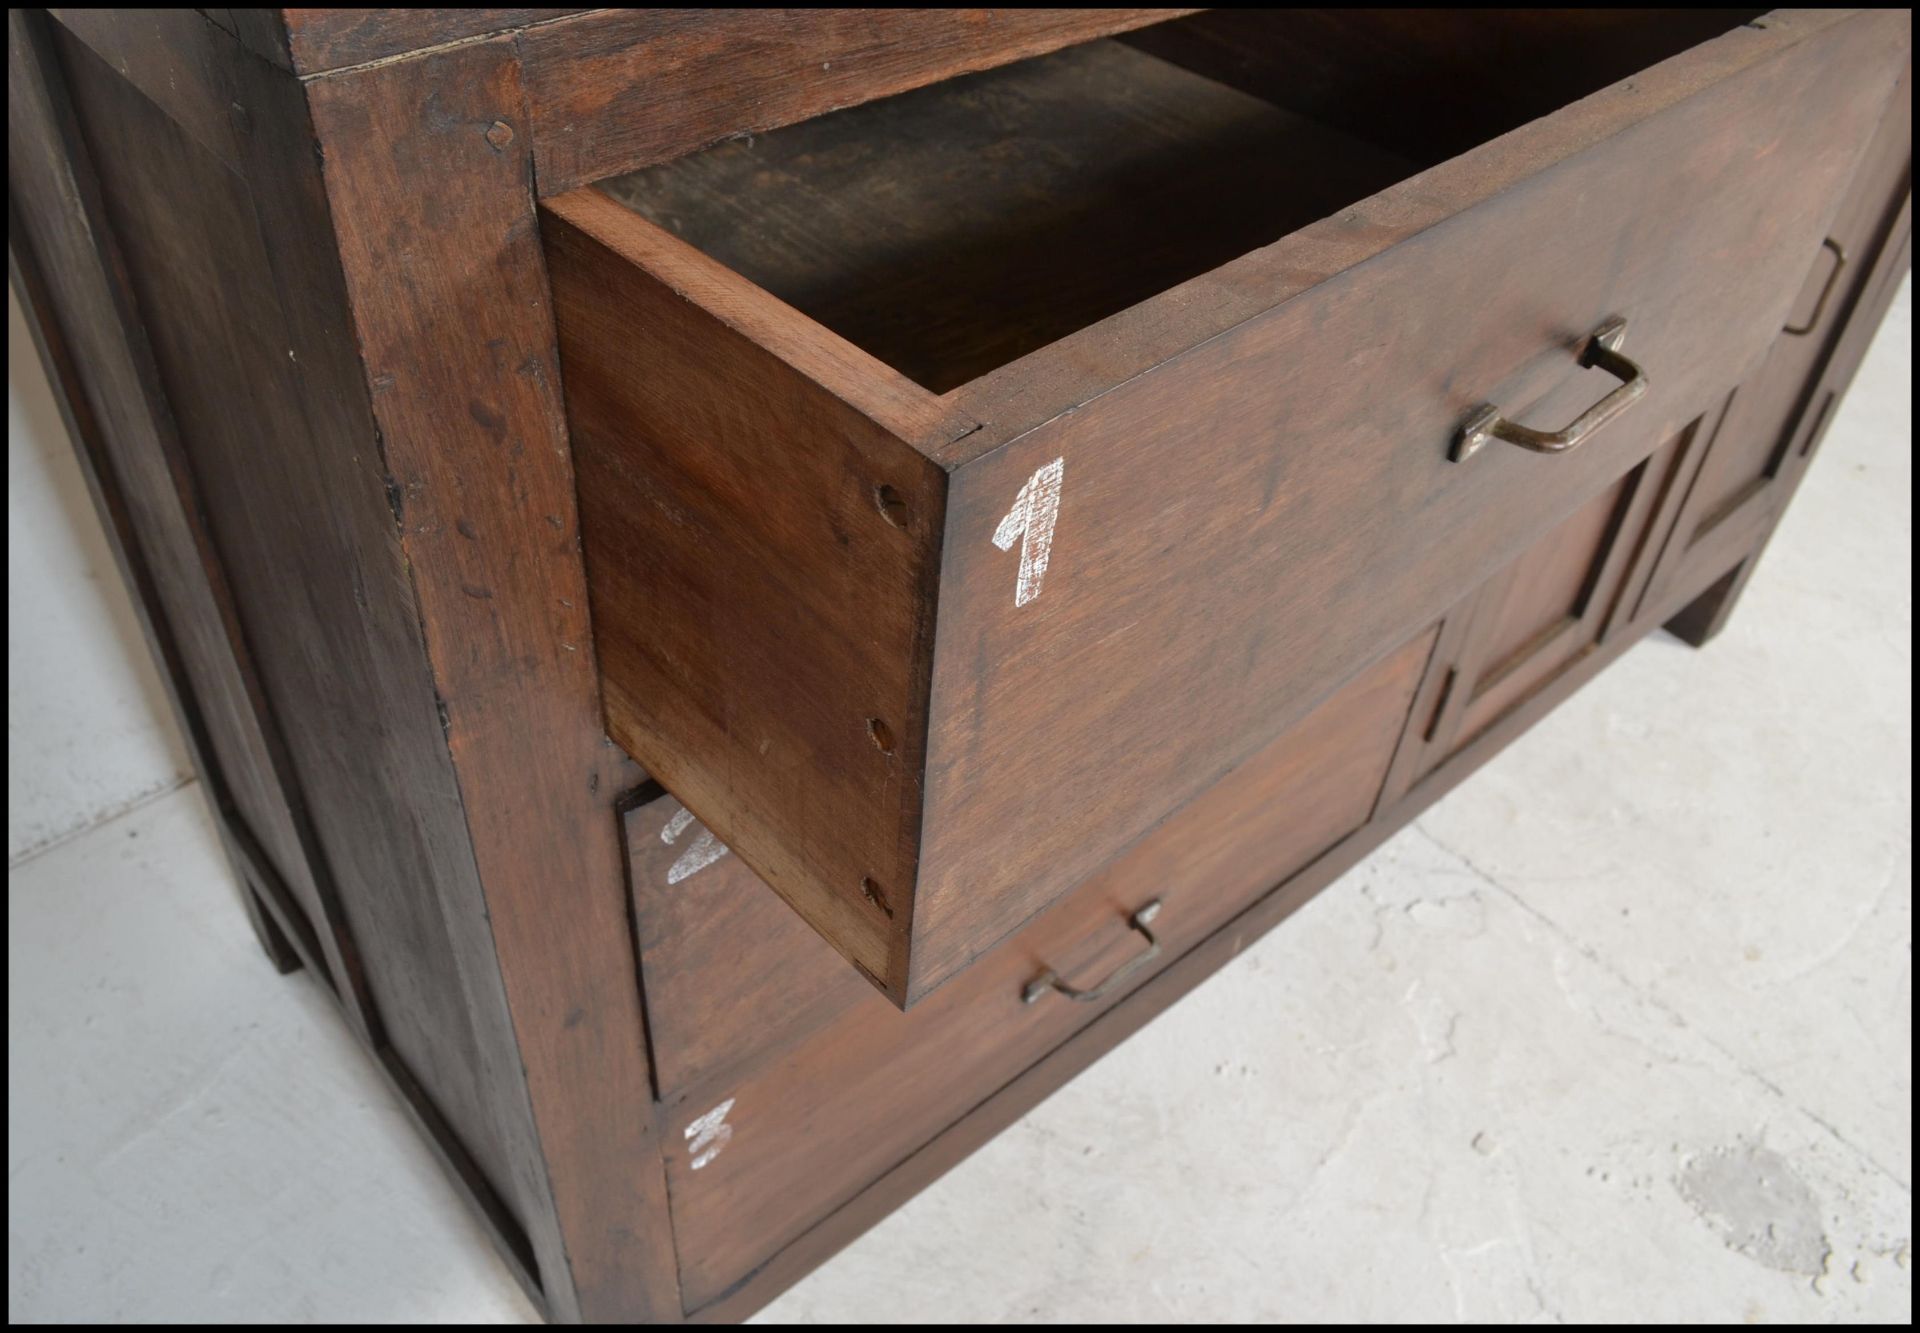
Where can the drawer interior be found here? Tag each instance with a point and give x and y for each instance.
(954, 229)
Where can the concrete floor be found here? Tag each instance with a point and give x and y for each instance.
(1619, 1031)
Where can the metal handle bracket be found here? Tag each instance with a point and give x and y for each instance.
(1049, 980)
(1839, 254)
(1601, 352)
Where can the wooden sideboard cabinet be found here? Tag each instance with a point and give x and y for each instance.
(754, 589)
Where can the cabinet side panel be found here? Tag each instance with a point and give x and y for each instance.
(446, 335)
(298, 527)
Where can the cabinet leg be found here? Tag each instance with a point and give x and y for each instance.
(273, 940)
(1706, 615)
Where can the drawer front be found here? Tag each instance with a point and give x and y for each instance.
(1240, 524)
(729, 972)
(926, 662)
(836, 1086)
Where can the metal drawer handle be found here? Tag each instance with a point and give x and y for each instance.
(1833, 280)
(1050, 980)
(1601, 352)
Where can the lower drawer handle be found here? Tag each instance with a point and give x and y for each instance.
(1833, 279)
(1050, 980)
(1602, 352)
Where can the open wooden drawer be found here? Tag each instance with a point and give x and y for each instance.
(971, 478)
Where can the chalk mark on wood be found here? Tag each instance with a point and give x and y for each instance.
(708, 1134)
(1030, 521)
(702, 852)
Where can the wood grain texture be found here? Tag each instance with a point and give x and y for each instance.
(1249, 521)
(185, 233)
(261, 31)
(955, 228)
(1222, 496)
(142, 464)
(1782, 412)
(729, 972)
(310, 521)
(71, 281)
(1361, 68)
(1758, 451)
(1561, 598)
(794, 1150)
(887, 1192)
(620, 89)
(318, 40)
(466, 792)
(785, 607)
(381, 746)
(166, 54)
(143, 467)
(1540, 616)
(375, 736)
(427, 180)
(1061, 378)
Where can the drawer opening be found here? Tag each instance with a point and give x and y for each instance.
(929, 574)
(952, 230)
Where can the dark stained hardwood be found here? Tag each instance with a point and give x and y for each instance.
(1241, 455)
(261, 31)
(1761, 445)
(427, 182)
(445, 864)
(318, 40)
(1541, 614)
(167, 56)
(1474, 73)
(618, 89)
(116, 396)
(185, 226)
(791, 1152)
(1707, 614)
(116, 415)
(302, 516)
(373, 620)
(889, 1191)
(727, 970)
(766, 542)
(953, 229)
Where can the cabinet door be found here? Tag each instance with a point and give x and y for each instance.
(1772, 422)
(1540, 614)
(1759, 443)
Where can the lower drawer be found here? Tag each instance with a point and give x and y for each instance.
(790, 1085)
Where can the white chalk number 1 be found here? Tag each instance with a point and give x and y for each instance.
(1030, 522)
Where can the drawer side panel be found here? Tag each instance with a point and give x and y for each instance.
(760, 556)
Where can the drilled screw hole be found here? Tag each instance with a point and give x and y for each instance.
(891, 504)
(881, 734)
(870, 890)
